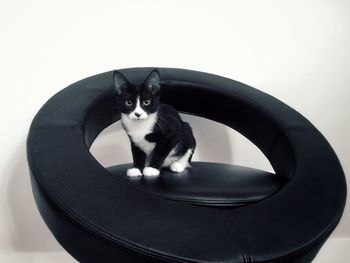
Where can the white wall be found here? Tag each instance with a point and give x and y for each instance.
(298, 51)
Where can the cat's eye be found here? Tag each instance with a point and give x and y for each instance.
(128, 103)
(146, 102)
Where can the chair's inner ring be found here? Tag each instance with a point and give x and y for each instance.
(221, 107)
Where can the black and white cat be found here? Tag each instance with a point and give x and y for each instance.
(158, 136)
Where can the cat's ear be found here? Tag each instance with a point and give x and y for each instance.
(120, 82)
(152, 82)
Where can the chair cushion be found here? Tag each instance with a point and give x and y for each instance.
(208, 184)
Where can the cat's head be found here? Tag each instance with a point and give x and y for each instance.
(138, 101)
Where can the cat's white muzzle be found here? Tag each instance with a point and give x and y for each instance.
(138, 116)
(138, 113)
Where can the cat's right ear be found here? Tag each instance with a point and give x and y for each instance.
(120, 82)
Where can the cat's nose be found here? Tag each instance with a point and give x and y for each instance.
(137, 114)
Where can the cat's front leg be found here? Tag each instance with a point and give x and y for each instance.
(159, 154)
(139, 158)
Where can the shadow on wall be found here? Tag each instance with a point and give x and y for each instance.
(28, 231)
(213, 140)
(111, 146)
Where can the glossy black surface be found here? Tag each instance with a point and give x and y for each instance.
(98, 217)
(207, 184)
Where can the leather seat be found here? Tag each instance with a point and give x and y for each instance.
(213, 212)
(208, 184)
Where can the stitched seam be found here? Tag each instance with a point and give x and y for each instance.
(283, 128)
(93, 228)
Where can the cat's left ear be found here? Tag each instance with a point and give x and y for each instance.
(152, 82)
(120, 82)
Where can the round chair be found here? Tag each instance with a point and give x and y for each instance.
(212, 212)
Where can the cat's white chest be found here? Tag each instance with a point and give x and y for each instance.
(138, 129)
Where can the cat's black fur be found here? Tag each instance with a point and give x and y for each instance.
(173, 131)
(169, 133)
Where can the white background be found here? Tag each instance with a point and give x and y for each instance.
(297, 51)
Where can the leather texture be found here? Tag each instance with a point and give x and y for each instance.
(208, 184)
(98, 216)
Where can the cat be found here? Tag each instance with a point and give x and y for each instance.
(158, 136)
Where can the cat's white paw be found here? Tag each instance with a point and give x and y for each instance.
(150, 171)
(177, 167)
(133, 172)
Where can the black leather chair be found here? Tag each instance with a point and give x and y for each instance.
(212, 212)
